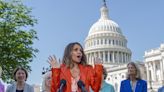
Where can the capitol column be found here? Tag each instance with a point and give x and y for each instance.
(108, 56)
(89, 58)
(122, 57)
(117, 56)
(147, 73)
(161, 70)
(128, 58)
(93, 58)
(151, 77)
(113, 57)
(99, 55)
(95, 55)
(154, 71)
(104, 60)
(125, 57)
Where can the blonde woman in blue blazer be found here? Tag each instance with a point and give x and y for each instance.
(133, 83)
(20, 76)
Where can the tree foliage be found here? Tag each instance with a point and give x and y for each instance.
(16, 37)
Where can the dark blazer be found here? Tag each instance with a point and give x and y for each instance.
(141, 86)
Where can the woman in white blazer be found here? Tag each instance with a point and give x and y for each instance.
(20, 85)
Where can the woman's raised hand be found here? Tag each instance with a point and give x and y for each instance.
(97, 61)
(53, 62)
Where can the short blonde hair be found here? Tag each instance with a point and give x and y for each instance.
(44, 80)
(138, 75)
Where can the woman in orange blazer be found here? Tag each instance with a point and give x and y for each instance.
(74, 68)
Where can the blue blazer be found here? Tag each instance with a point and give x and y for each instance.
(141, 86)
(161, 89)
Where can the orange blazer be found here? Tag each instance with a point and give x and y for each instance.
(90, 77)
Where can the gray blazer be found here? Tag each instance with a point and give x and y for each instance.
(12, 88)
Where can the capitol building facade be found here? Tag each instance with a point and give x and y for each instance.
(106, 41)
(154, 63)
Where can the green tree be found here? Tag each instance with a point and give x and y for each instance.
(16, 37)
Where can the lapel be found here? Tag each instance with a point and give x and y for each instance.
(129, 87)
(83, 73)
(25, 88)
(66, 73)
(14, 87)
(138, 86)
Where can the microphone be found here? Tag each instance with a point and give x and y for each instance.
(81, 85)
(62, 84)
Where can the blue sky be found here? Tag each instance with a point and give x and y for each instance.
(63, 21)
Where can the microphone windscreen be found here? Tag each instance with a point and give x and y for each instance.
(63, 81)
(80, 83)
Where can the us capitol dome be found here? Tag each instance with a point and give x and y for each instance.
(106, 41)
